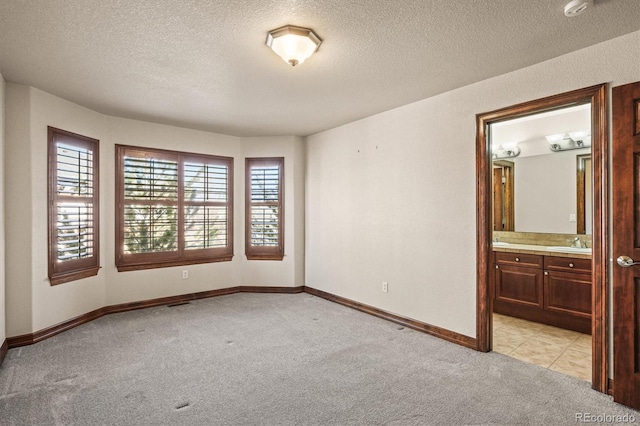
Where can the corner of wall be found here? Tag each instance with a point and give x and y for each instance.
(17, 220)
(290, 271)
(3, 329)
(299, 177)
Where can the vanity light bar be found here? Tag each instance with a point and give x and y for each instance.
(572, 140)
(501, 153)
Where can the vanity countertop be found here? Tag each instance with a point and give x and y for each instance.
(541, 250)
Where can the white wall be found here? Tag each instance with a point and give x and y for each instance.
(32, 303)
(52, 305)
(289, 271)
(393, 197)
(154, 283)
(17, 201)
(3, 333)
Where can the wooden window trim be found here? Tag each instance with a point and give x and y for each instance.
(264, 253)
(182, 256)
(71, 270)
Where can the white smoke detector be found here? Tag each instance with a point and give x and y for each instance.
(576, 7)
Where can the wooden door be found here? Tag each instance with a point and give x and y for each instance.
(626, 242)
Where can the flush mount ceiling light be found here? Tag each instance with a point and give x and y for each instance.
(293, 44)
(576, 7)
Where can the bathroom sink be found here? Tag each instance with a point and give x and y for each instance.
(570, 249)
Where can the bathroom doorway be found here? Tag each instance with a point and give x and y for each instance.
(536, 275)
(542, 305)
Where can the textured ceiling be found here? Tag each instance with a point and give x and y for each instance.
(204, 65)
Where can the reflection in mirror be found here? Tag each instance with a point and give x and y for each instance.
(585, 204)
(547, 149)
(503, 217)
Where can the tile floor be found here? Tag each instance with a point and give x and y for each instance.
(561, 350)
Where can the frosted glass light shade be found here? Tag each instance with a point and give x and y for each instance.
(578, 135)
(293, 44)
(553, 139)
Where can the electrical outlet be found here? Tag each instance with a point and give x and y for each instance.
(572, 217)
(385, 286)
(185, 274)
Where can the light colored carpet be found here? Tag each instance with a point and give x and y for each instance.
(276, 359)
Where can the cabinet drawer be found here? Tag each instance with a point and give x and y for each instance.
(567, 264)
(519, 259)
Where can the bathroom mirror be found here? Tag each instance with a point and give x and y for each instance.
(542, 172)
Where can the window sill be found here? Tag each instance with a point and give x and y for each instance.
(65, 277)
(154, 265)
(265, 256)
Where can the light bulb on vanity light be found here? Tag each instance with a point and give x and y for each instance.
(554, 141)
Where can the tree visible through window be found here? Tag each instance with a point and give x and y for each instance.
(73, 206)
(174, 208)
(205, 198)
(264, 209)
(150, 205)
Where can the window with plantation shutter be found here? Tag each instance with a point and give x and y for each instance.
(73, 206)
(264, 230)
(174, 208)
(205, 204)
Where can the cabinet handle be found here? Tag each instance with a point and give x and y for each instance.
(497, 267)
(546, 273)
(571, 265)
(517, 259)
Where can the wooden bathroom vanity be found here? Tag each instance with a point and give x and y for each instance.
(548, 287)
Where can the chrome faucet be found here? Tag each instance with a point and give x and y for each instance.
(576, 243)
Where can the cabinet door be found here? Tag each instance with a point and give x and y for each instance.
(568, 293)
(519, 285)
